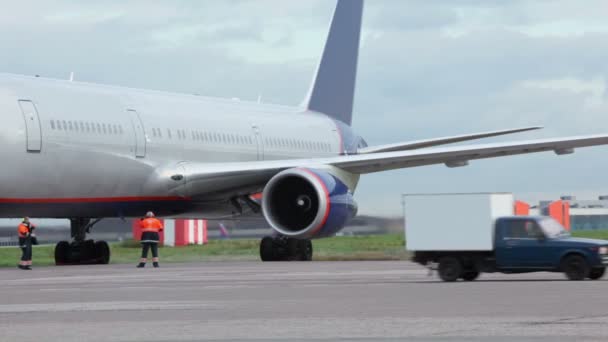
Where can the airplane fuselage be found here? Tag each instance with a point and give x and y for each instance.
(75, 147)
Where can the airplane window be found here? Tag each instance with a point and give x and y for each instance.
(153, 132)
(81, 125)
(120, 129)
(70, 125)
(104, 128)
(52, 124)
(169, 133)
(114, 129)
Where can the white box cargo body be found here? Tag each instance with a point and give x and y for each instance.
(454, 222)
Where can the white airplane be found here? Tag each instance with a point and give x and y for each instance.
(86, 151)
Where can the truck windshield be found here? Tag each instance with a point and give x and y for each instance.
(552, 228)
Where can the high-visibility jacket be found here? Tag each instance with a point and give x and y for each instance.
(151, 224)
(24, 230)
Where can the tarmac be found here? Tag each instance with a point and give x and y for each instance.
(295, 301)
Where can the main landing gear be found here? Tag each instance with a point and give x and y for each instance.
(81, 251)
(281, 248)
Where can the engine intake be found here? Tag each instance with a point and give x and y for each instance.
(307, 203)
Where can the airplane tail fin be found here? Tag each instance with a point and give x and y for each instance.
(333, 88)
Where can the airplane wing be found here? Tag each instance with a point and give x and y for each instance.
(250, 177)
(461, 155)
(412, 145)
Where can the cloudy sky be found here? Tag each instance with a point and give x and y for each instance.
(426, 69)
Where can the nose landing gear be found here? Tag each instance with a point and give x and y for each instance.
(82, 251)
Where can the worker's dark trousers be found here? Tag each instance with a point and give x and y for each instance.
(145, 246)
(26, 252)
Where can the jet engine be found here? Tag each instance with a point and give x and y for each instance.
(307, 203)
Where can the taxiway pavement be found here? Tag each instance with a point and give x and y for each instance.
(296, 301)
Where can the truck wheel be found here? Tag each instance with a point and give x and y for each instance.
(470, 275)
(597, 273)
(450, 269)
(575, 267)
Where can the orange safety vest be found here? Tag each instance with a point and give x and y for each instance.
(151, 224)
(23, 230)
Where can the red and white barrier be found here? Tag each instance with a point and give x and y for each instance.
(179, 232)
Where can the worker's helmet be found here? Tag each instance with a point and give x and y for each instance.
(26, 219)
(149, 214)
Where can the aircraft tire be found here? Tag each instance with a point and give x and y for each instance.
(62, 253)
(305, 250)
(88, 251)
(267, 249)
(102, 250)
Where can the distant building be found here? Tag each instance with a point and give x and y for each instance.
(584, 214)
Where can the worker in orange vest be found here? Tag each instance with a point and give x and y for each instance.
(150, 227)
(26, 239)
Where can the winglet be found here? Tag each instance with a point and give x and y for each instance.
(333, 88)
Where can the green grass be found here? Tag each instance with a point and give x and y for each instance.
(376, 247)
(592, 234)
(380, 247)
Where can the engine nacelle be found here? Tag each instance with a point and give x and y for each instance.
(307, 203)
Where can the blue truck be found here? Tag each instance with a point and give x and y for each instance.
(506, 244)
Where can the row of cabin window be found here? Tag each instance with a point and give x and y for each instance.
(86, 127)
(298, 144)
(244, 140)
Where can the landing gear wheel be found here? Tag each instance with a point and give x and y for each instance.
(62, 253)
(597, 273)
(267, 249)
(575, 267)
(102, 250)
(450, 269)
(470, 275)
(88, 252)
(305, 250)
(293, 250)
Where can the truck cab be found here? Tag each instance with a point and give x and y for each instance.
(528, 244)
(477, 232)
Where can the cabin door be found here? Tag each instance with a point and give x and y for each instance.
(32, 126)
(139, 133)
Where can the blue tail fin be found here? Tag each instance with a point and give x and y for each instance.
(333, 89)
